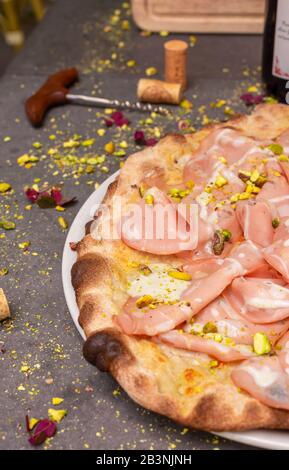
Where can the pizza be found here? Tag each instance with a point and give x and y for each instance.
(182, 278)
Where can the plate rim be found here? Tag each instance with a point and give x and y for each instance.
(258, 438)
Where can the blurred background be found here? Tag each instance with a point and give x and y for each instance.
(17, 19)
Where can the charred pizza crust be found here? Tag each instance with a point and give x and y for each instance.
(169, 381)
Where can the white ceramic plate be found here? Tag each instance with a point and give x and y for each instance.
(277, 440)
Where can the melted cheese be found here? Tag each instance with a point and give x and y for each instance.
(158, 284)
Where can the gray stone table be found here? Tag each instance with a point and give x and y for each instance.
(41, 354)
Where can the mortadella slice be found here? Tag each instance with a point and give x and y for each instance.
(255, 219)
(195, 343)
(243, 259)
(264, 379)
(151, 321)
(259, 300)
(159, 228)
(277, 255)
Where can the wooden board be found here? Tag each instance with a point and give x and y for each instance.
(200, 16)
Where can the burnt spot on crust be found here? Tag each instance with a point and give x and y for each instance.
(102, 348)
(87, 270)
(208, 411)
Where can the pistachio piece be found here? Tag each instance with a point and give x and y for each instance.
(144, 301)
(179, 275)
(220, 181)
(7, 224)
(261, 344)
(145, 270)
(210, 327)
(218, 338)
(213, 364)
(149, 199)
(227, 234)
(276, 149)
(244, 175)
(275, 222)
(218, 242)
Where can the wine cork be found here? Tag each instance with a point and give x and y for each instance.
(176, 62)
(157, 91)
(4, 307)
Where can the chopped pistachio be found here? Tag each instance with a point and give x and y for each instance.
(244, 175)
(56, 401)
(227, 235)
(149, 199)
(218, 242)
(144, 301)
(218, 338)
(4, 187)
(214, 363)
(261, 344)
(255, 175)
(37, 145)
(151, 71)
(145, 270)
(7, 224)
(24, 245)
(220, 181)
(62, 222)
(275, 222)
(87, 142)
(109, 147)
(182, 276)
(210, 327)
(56, 415)
(283, 158)
(276, 149)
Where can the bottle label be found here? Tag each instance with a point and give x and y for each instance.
(281, 43)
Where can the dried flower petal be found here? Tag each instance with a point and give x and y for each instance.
(139, 138)
(109, 122)
(151, 142)
(48, 198)
(250, 99)
(45, 201)
(116, 116)
(32, 194)
(43, 429)
(56, 194)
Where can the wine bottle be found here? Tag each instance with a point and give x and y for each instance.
(275, 69)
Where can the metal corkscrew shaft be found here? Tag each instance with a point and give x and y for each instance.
(124, 104)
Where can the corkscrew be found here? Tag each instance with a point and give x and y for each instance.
(55, 92)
